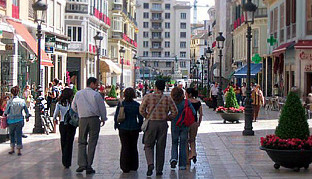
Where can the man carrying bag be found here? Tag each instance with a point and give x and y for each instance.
(157, 109)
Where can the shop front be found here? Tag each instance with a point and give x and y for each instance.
(110, 72)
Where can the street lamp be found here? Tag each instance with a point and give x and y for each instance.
(122, 56)
(202, 58)
(98, 39)
(40, 12)
(220, 45)
(250, 10)
(208, 56)
(196, 67)
(135, 67)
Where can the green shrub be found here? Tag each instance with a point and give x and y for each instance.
(112, 93)
(204, 91)
(293, 121)
(231, 99)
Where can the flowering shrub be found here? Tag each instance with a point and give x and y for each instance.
(222, 109)
(110, 98)
(274, 142)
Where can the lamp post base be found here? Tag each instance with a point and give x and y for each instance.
(248, 133)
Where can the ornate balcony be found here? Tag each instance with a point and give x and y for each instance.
(76, 7)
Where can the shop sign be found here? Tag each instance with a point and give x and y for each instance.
(49, 43)
(305, 55)
(308, 68)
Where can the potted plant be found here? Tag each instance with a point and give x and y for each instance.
(291, 146)
(232, 112)
(111, 99)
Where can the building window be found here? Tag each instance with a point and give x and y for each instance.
(167, 6)
(156, 35)
(145, 15)
(74, 33)
(117, 23)
(145, 34)
(183, 15)
(145, 24)
(155, 64)
(167, 25)
(182, 54)
(182, 34)
(167, 34)
(309, 17)
(156, 16)
(167, 54)
(183, 25)
(156, 6)
(168, 64)
(145, 53)
(15, 9)
(182, 64)
(156, 54)
(182, 44)
(145, 43)
(255, 44)
(167, 15)
(167, 44)
(146, 5)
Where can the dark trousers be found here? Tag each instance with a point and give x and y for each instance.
(156, 133)
(67, 139)
(129, 157)
(214, 102)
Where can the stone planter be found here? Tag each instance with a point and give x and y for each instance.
(231, 117)
(112, 103)
(294, 159)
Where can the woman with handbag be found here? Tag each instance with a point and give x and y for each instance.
(15, 120)
(67, 131)
(179, 131)
(128, 121)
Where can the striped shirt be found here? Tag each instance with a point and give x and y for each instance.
(166, 110)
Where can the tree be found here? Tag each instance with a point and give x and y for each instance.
(293, 121)
(112, 93)
(231, 99)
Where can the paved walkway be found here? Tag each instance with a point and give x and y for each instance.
(222, 153)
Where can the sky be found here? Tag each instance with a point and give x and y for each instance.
(201, 11)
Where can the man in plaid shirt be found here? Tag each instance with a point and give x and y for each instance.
(159, 109)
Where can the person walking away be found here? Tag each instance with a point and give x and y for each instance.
(257, 101)
(238, 93)
(243, 90)
(67, 131)
(56, 93)
(27, 95)
(179, 133)
(129, 130)
(89, 105)
(158, 109)
(50, 95)
(191, 95)
(214, 94)
(15, 120)
(308, 105)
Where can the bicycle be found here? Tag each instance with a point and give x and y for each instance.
(46, 121)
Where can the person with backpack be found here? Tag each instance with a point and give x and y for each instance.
(180, 127)
(67, 131)
(157, 109)
(55, 94)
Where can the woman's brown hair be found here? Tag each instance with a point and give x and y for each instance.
(177, 94)
(15, 90)
(129, 94)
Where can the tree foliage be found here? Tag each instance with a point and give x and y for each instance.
(112, 93)
(231, 99)
(293, 121)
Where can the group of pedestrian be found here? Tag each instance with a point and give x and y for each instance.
(158, 109)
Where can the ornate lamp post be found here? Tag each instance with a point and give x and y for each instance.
(208, 56)
(40, 9)
(135, 67)
(196, 67)
(98, 40)
(202, 58)
(122, 56)
(249, 9)
(220, 45)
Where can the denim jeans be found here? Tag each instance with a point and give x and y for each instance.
(179, 137)
(15, 131)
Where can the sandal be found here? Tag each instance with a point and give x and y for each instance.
(11, 152)
(19, 154)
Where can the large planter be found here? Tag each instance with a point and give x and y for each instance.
(112, 103)
(294, 159)
(231, 117)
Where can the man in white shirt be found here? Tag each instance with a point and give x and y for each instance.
(89, 105)
(214, 95)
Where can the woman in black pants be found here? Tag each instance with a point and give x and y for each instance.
(67, 131)
(129, 132)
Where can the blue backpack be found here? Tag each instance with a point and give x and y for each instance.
(71, 117)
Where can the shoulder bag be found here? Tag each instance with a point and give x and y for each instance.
(121, 114)
(146, 121)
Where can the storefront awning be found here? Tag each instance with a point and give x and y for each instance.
(254, 70)
(31, 42)
(304, 44)
(109, 67)
(282, 48)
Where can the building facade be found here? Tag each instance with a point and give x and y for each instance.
(122, 34)
(164, 36)
(83, 19)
